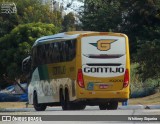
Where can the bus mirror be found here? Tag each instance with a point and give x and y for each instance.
(26, 65)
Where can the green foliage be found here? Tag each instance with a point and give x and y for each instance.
(140, 20)
(68, 22)
(149, 60)
(142, 25)
(28, 11)
(14, 47)
(101, 15)
(139, 88)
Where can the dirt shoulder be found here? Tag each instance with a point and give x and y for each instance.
(148, 100)
(13, 105)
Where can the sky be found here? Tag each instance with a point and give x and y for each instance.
(73, 8)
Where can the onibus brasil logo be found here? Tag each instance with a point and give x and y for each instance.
(8, 8)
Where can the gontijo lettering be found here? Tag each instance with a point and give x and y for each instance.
(103, 70)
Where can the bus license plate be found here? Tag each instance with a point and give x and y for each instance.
(103, 86)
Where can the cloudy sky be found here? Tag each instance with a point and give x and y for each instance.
(74, 7)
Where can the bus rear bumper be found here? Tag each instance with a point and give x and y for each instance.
(97, 101)
(121, 95)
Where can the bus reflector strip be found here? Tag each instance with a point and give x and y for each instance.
(104, 64)
(104, 56)
(126, 78)
(80, 78)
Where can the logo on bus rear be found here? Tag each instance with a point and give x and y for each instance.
(103, 44)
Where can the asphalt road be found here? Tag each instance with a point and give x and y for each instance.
(92, 114)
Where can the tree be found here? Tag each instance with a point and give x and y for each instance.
(28, 11)
(69, 22)
(142, 25)
(148, 57)
(101, 15)
(7, 22)
(14, 47)
(140, 21)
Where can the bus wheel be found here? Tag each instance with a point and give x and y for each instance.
(102, 106)
(112, 105)
(81, 107)
(77, 106)
(67, 102)
(64, 100)
(38, 107)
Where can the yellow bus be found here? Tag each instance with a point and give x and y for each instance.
(75, 69)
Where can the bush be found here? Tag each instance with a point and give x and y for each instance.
(139, 88)
(17, 45)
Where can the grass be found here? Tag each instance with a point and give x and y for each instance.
(13, 105)
(148, 100)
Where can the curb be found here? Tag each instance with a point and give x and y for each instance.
(152, 107)
(131, 107)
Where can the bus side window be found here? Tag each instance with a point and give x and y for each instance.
(46, 51)
(39, 54)
(43, 57)
(73, 49)
(56, 53)
(60, 48)
(51, 53)
(67, 50)
(64, 52)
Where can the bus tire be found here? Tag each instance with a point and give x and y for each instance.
(38, 107)
(64, 100)
(77, 106)
(102, 106)
(81, 107)
(67, 101)
(112, 105)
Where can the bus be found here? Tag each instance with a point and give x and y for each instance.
(79, 68)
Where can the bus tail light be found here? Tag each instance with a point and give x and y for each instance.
(126, 78)
(80, 78)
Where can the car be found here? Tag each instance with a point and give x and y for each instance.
(14, 93)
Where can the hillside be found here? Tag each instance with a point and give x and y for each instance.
(148, 100)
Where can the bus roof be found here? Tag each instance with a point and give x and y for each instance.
(65, 36)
